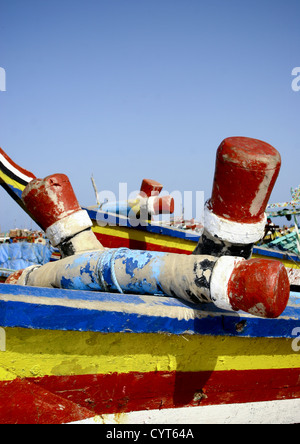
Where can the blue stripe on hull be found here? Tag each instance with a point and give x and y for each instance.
(55, 309)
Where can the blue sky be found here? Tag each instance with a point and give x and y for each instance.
(127, 89)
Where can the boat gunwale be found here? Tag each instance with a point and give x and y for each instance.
(58, 309)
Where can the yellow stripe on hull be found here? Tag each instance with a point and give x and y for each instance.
(6, 179)
(285, 262)
(166, 241)
(37, 353)
(155, 239)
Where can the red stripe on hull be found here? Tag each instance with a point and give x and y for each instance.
(116, 393)
(109, 241)
(22, 402)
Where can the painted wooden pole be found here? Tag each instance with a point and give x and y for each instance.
(53, 203)
(234, 219)
(259, 287)
(150, 199)
(144, 207)
(150, 187)
(147, 203)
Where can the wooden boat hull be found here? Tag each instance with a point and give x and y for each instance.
(70, 356)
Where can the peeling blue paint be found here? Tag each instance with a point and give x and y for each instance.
(130, 266)
(84, 277)
(133, 261)
(74, 283)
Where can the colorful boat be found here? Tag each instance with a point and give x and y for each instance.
(70, 356)
(83, 356)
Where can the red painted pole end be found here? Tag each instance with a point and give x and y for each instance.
(163, 205)
(150, 188)
(260, 287)
(14, 277)
(245, 174)
(50, 199)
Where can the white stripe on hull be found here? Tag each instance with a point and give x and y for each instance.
(270, 412)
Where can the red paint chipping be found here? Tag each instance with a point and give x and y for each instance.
(14, 277)
(245, 174)
(22, 402)
(50, 199)
(260, 287)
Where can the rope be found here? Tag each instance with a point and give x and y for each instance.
(99, 269)
(112, 269)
